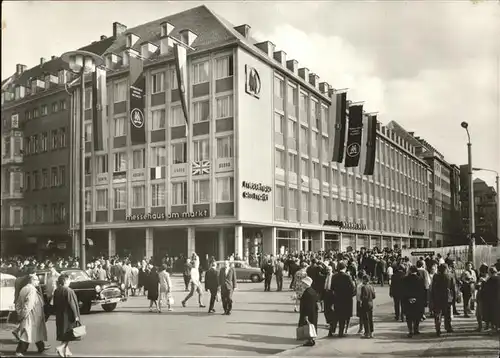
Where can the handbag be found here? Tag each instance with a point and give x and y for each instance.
(307, 331)
(77, 332)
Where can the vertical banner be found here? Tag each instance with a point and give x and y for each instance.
(181, 69)
(353, 149)
(137, 93)
(371, 145)
(364, 137)
(100, 133)
(337, 121)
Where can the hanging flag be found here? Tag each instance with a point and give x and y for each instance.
(201, 167)
(337, 114)
(371, 144)
(362, 153)
(137, 95)
(100, 133)
(181, 69)
(353, 149)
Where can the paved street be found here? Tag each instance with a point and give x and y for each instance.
(262, 323)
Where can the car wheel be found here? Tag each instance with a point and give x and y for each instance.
(110, 307)
(255, 278)
(86, 307)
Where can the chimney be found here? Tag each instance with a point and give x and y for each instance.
(53, 57)
(280, 56)
(412, 134)
(244, 30)
(324, 88)
(188, 36)
(103, 37)
(165, 29)
(304, 73)
(314, 80)
(292, 65)
(118, 29)
(267, 47)
(20, 68)
(42, 60)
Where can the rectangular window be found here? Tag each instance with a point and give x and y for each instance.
(279, 123)
(62, 137)
(292, 129)
(45, 110)
(315, 114)
(315, 170)
(120, 161)
(224, 67)
(279, 88)
(158, 83)
(158, 157)
(280, 196)
(88, 98)
(179, 193)
(225, 147)
(36, 113)
(315, 203)
(138, 196)
(120, 126)
(201, 150)
(179, 151)
(53, 137)
(45, 178)
(305, 201)
(54, 177)
(120, 92)
(224, 107)
(36, 180)
(324, 119)
(292, 198)
(88, 132)
(101, 163)
(27, 115)
(88, 200)
(201, 111)
(158, 117)
(62, 175)
(279, 159)
(292, 163)
(304, 138)
(225, 189)
(201, 191)
(315, 140)
(173, 80)
(157, 195)
(88, 167)
(102, 199)
(177, 116)
(138, 158)
(120, 198)
(62, 105)
(55, 107)
(292, 95)
(304, 167)
(200, 72)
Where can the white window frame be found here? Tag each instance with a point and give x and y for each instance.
(119, 198)
(157, 195)
(224, 107)
(88, 98)
(173, 80)
(120, 126)
(175, 149)
(200, 72)
(224, 67)
(225, 189)
(158, 82)
(179, 193)
(198, 197)
(44, 110)
(120, 91)
(225, 147)
(119, 161)
(278, 153)
(198, 111)
(156, 159)
(279, 123)
(138, 159)
(141, 195)
(177, 116)
(280, 196)
(88, 132)
(101, 163)
(104, 196)
(201, 149)
(158, 121)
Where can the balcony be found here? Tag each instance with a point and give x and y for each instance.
(12, 159)
(12, 195)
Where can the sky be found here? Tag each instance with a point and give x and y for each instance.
(428, 65)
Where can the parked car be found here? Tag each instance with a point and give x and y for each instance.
(88, 291)
(7, 288)
(244, 271)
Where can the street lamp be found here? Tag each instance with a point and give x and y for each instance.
(472, 225)
(81, 63)
(497, 181)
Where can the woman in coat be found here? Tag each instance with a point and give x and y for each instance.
(165, 288)
(298, 286)
(134, 278)
(482, 313)
(30, 310)
(308, 308)
(143, 277)
(414, 297)
(153, 284)
(67, 314)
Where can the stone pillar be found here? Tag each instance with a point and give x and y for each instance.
(392, 243)
(370, 242)
(222, 245)
(76, 244)
(149, 243)
(341, 243)
(111, 242)
(238, 241)
(191, 241)
(355, 242)
(300, 239)
(269, 241)
(322, 240)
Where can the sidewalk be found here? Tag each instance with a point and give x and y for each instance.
(390, 340)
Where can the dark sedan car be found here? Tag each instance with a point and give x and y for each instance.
(90, 292)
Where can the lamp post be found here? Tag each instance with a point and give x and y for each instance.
(472, 225)
(497, 181)
(82, 63)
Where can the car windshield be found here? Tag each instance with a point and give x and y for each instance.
(77, 275)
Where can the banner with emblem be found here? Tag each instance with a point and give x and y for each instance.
(337, 127)
(137, 98)
(100, 133)
(371, 144)
(181, 69)
(354, 134)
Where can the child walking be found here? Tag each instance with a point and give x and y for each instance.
(367, 295)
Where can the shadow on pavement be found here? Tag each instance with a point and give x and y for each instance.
(277, 324)
(440, 352)
(258, 338)
(253, 310)
(271, 303)
(259, 350)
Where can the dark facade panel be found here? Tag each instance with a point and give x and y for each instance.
(119, 142)
(178, 209)
(88, 114)
(120, 107)
(88, 147)
(159, 209)
(158, 136)
(202, 89)
(158, 99)
(138, 211)
(178, 132)
(175, 96)
(201, 207)
(119, 215)
(224, 209)
(101, 216)
(88, 216)
(224, 85)
(201, 128)
(224, 125)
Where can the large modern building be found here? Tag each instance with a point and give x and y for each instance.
(252, 172)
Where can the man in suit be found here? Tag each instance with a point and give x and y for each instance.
(413, 290)
(443, 293)
(343, 291)
(328, 299)
(227, 280)
(212, 285)
(381, 270)
(268, 270)
(278, 271)
(395, 292)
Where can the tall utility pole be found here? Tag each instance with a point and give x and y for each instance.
(472, 224)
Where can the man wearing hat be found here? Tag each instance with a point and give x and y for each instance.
(308, 312)
(344, 290)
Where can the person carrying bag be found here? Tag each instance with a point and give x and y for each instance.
(308, 320)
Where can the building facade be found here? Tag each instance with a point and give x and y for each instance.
(252, 173)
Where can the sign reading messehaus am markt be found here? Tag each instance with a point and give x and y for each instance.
(163, 216)
(345, 224)
(261, 191)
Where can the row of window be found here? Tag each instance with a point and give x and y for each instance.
(40, 214)
(45, 178)
(44, 110)
(178, 194)
(39, 143)
(158, 155)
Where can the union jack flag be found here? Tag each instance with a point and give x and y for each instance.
(201, 167)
